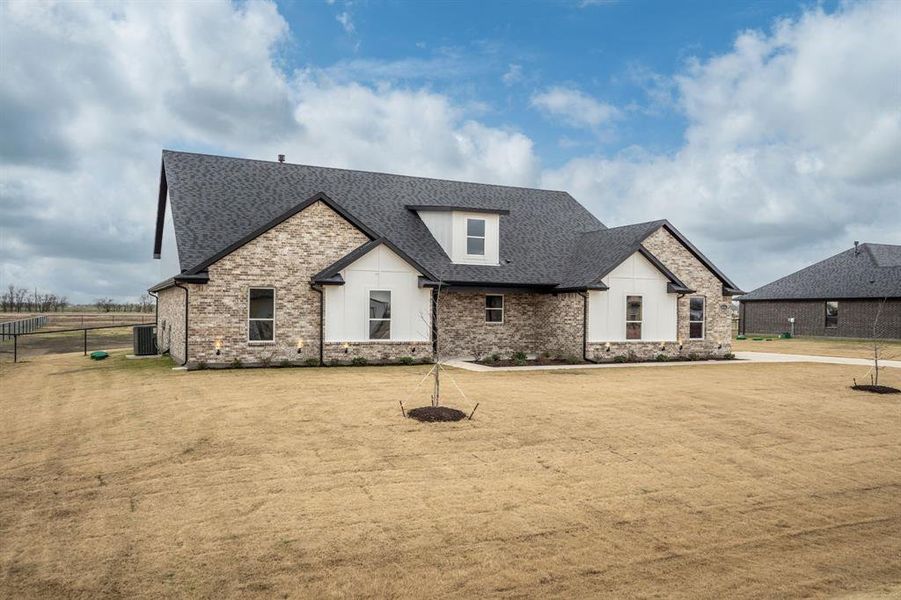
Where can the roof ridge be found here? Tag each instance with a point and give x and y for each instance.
(660, 221)
(498, 185)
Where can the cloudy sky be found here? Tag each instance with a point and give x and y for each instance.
(769, 133)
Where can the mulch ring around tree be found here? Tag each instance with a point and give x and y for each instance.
(434, 414)
(876, 389)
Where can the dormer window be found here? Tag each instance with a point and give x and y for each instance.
(468, 236)
(475, 237)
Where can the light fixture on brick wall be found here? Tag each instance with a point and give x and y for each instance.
(607, 346)
(346, 347)
(680, 344)
(299, 346)
(218, 345)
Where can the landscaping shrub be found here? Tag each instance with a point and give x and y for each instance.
(201, 365)
(572, 359)
(694, 356)
(620, 358)
(359, 361)
(729, 356)
(311, 362)
(406, 360)
(495, 357)
(334, 362)
(237, 364)
(519, 362)
(519, 356)
(661, 357)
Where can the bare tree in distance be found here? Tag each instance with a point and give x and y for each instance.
(880, 349)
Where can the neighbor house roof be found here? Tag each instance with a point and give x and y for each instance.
(869, 271)
(547, 239)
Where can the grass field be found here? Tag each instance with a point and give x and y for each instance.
(891, 350)
(127, 479)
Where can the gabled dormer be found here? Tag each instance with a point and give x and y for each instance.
(469, 236)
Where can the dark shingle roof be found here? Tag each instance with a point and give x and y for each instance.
(216, 201)
(874, 271)
(596, 253)
(547, 239)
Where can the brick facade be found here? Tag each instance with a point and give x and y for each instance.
(532, 323)
(855, 318)
(718, 314)
(286, 257)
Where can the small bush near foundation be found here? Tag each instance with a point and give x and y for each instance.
(406, 360)
(517, 356)
(694, 356)
(311, 362)
(661, 357)
(519, 362)
(359, 361)
(495, 357)
(237, 364)
(491, 358)
(334, 362)
(284, 363)
(728, 356)
(620, 358)
(201, 365)
(572, 359)
(427, 360)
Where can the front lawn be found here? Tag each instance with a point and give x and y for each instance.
(127, 479)
(848, 348)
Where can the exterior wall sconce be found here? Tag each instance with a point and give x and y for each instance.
(299, 346)
(680, 344)
(346, 347)
(607, 347)
(413, 350)
(662, 346)
(218, 346)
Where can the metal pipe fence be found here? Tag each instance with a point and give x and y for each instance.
(16, 335)
(21, 326)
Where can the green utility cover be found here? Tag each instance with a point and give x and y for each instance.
(98, 355)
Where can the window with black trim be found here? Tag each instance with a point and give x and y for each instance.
(696, 317)
(261, 314)
(379, 315)
(633, 317)
(494, 308)
(832, 314)
(475, 237)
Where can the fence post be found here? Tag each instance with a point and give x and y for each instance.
(85, 342)
(15, 348)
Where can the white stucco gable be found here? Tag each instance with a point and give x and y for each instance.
(381, 269)
(636, 276)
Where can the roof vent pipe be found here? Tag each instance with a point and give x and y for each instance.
(856, 249)
(281, 158)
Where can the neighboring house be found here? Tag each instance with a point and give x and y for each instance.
(261, 250)
(838, 297)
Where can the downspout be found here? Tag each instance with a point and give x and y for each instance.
(156, 319)
(318, 290)
(178, 285)
(585, 327)
(156, 308)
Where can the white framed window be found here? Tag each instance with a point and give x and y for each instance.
(831, 314)
(475, 237)
(494, 308)
(379, 315)
(633, 317)
(696, 309)
(261, 314)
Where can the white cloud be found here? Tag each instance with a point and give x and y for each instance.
(512, 75)
(574, 107)
(793, 148)
(92, 92)
(346, 22)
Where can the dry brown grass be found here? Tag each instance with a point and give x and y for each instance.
(126, 479)
(820, 347)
